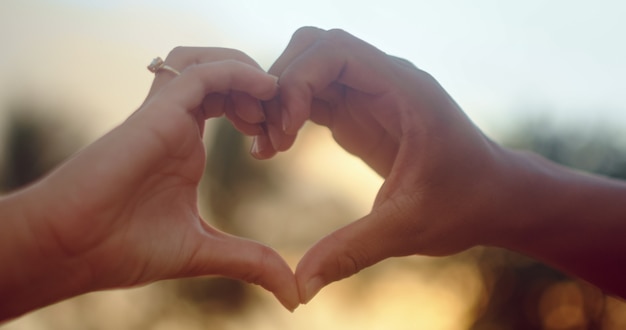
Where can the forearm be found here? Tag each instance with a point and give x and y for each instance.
(32, 275)
(574, 221)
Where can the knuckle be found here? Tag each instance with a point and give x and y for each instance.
(352, 262)
(255, 275)
(230, 62)
(336, 40)
(403, 62)
(307, 33)
(337, 34)
(355, 258)
(192, 71)
(188, 56)
(177, 52)
(349, 265)
(240, 56)
(289, 79)
(338, 37)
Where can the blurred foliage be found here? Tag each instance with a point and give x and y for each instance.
(231, 175)
(35, 141)
(593, 147)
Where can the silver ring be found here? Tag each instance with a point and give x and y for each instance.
(158, 64)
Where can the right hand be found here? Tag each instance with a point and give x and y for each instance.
(440, 171)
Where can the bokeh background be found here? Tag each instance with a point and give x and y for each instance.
(541, 75)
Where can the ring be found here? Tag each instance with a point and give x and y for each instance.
(158, 64)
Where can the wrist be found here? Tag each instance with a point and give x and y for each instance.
(34, 273)
(528, 195)
(568, 219)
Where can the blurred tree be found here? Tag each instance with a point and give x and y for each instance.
(231, 176)
(597, 148)
(34, 144)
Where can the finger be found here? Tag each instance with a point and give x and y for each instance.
(190, 88)
(249, 261)
(274, 126)
(277, 119)
(241, 125)
(321, 113)
(214, 105)
(348, 250)
(281, 118)
(300, 41)
(262, 147)
(247, 108)
(335, 56)
(182, 57)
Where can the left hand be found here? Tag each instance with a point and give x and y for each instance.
(126, 206)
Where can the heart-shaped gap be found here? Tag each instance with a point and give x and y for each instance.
(288, 202)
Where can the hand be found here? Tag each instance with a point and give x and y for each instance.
(124, 210)
(438, 167)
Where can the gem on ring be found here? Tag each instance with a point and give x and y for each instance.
(158, 64)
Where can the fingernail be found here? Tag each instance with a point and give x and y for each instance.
(292, 309)
(286, 120)
(275, 136)
(312, 287)
(289, 304)
(275, 79)
(254, 150)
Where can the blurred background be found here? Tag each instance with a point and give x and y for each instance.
(541, 75)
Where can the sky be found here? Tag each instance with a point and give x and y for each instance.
(499, 60)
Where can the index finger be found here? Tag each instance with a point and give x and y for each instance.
(197, 81)
(320, 59)
(300, 41)
(182, 57)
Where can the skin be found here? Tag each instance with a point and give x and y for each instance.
(447, 186)
(123, 211)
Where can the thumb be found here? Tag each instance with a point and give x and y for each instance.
(347, 251)
(249, 261)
